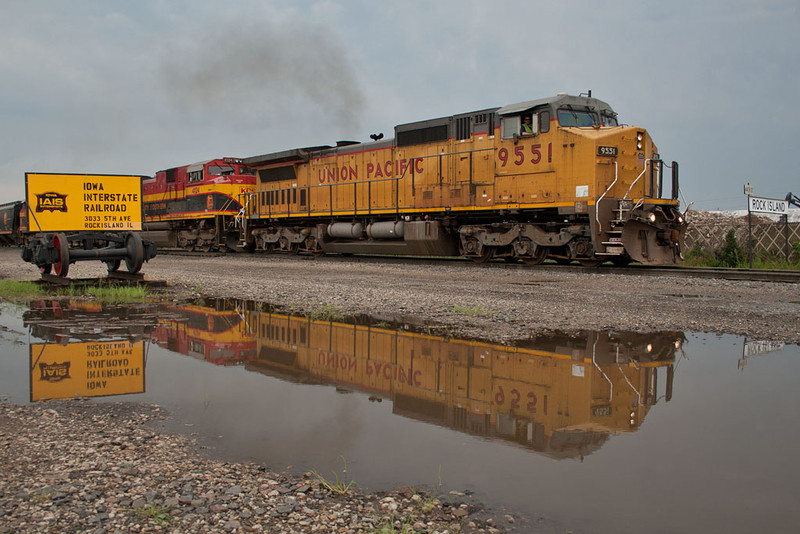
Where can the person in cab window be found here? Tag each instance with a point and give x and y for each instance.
(527, 126)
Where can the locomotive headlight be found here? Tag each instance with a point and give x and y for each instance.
(680, 219)
(649, 347)
(652, 217)
(639, 140)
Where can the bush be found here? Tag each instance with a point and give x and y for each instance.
(730, 254)
(697, 257)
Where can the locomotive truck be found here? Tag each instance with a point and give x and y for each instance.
(558, 177)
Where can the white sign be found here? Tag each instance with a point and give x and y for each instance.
(751, 348)
(769, 205)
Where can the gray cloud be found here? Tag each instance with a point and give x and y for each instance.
(259, 72)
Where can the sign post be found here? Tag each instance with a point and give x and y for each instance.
(748, 190)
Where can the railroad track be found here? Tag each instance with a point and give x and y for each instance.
(678, 271)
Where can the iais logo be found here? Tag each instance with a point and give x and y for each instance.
(51, 201)
(54, 372)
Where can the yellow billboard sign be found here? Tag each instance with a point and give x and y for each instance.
(86, 369)
(81, 202)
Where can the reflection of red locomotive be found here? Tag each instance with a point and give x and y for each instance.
(194, 206)
(218, 336)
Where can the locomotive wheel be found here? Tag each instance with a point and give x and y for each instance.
(45, 269)
(113, 265)
(135, 257)
(539, 255)
(477, 252)
(590, 262)
(61, 244)
(486, 254)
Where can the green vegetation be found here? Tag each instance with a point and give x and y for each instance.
(107, 294)
(731, 254)
(388, 526)
(10, 289)
(327, 312)
(338, 484)
(156, 514)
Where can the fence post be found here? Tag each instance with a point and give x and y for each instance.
(749, 236)
(786, 236)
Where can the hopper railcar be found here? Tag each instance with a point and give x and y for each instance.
(557, 177)
(13, 223)
(195, 206)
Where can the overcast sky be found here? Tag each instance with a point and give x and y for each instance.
(134, 87)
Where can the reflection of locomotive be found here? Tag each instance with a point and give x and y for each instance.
(218, 336)
(574, 185)
(562, 396)
(194, 206)
(13, 223)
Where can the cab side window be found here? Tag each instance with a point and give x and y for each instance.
(511, 126)
(544, 121)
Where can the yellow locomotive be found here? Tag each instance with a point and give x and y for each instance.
(557, 177)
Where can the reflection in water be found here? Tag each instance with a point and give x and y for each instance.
(88, 351)
(559, 395)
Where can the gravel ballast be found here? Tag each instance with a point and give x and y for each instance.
(493, 302)
(108, 467)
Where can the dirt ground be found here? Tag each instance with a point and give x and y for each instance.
(495, 302)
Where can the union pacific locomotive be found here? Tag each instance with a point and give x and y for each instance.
(557, 177)
(194, 206)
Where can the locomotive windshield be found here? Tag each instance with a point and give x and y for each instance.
(581, 118)
(571, 117)
(221, 170)
(609, 120)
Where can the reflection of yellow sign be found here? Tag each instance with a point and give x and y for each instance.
(86, 369)
(76, 202)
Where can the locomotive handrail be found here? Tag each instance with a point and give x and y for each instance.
(628, 381)
(597, 203)
(649, 160)
(594, 362)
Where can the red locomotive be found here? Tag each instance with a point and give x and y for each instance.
(195, 206)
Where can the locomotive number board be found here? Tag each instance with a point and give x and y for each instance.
(606, 151)
(80, 202)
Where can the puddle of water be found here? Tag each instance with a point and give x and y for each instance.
(604, 432)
